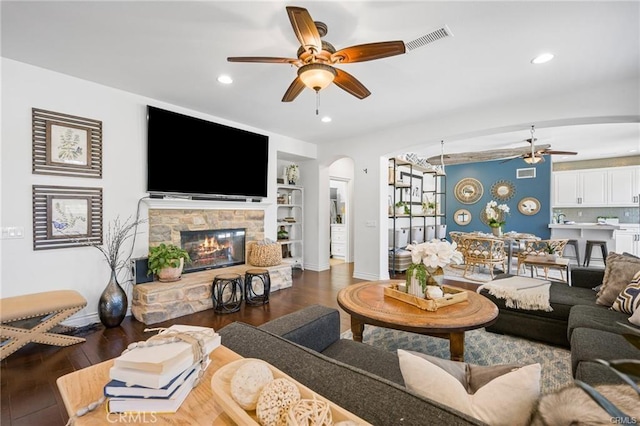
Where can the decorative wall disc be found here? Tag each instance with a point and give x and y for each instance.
(468, 190)
(503, 190)
(462, 217)
(529, 206)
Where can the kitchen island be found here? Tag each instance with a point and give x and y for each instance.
(587, 231)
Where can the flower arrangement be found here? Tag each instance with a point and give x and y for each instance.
(427, 259)
(496, 214)
(293, 173)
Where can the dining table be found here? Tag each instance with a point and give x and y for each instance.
(513, 241)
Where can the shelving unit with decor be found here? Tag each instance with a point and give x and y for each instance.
(289, 218)
(409, 186)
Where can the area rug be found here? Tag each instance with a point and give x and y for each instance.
(483, 348)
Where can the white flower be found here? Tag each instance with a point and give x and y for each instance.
(435, 253)
(496, 213)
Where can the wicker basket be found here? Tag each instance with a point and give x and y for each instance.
(265, 254)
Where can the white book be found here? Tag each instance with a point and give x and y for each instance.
(165, 358)
(135, 376)
(156, 405)
(116, 388)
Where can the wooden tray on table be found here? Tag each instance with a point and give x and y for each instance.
(452, 295)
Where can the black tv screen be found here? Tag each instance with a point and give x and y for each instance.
(200, 158)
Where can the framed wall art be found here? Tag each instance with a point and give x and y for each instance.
(462, 217)
(503, 190)
(414, 191)
(468, 190)
(66, 145)
(529, 206)
(66, 216)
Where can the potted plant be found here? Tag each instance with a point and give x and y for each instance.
(167, 261)
(551, 252)
(402, 207)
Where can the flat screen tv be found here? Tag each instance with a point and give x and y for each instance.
(188, 156)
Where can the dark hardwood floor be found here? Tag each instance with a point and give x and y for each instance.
(28, 377)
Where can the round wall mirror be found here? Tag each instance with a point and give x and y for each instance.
(529, 206)
(468, 190)
(503, 190)
(462, 217)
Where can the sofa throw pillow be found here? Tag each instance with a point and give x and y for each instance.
(629, 299)
(618, 273)
(506, 400)
(471, 376)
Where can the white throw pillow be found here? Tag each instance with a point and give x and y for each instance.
(506, 400)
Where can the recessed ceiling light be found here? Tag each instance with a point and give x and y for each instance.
(541, 59)
(225, 79)
(326, 119)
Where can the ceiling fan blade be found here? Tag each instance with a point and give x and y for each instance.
(294, 90)
(368, 52)
(551, 151)
(265, 59)
(304, 28)
(350, 84)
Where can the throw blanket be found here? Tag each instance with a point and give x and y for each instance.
(521, 292)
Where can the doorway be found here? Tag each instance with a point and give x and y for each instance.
(338, 222)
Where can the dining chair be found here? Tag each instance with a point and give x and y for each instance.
(482, 251)
(456, 237)
(541, 248)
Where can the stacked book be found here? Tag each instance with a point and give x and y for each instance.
(158, 378)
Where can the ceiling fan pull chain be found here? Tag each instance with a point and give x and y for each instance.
(317, 101)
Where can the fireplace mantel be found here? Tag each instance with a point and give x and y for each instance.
(182, 204)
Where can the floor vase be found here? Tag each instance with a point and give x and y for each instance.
(112, 307)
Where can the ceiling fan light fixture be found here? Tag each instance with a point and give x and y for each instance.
(532, 160)
(316, 76)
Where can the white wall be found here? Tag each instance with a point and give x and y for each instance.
(123, 116)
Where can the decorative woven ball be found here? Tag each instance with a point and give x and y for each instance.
(247, 383)
(310, 412)
(275, 400)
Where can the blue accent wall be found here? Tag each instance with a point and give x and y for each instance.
(490, 172)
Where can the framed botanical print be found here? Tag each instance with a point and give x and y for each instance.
(66, 216)
(67, 145)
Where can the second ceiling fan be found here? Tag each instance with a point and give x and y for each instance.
(532, 154)
(316, 58)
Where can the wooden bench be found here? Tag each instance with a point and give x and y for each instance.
(30, 317)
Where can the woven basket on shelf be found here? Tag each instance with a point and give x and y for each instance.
(265, 254)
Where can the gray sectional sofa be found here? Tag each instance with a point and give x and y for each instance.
(592, 331)
(363, 379)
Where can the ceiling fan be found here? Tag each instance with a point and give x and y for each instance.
(316, 58)
(536, 155)
(532, 155)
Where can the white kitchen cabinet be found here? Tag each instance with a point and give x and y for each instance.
(581, 188)
(624, 186)
(338, 241)
(290, 208)
(628, 239)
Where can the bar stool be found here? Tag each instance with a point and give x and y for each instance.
(251, 297)
(574, 244)
(226, 293)
(589, 249)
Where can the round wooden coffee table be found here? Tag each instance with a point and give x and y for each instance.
(367, 304)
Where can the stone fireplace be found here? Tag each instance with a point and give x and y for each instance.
(167, 225)
(213, 248)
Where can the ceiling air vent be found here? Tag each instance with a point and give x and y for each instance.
(436, 35)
